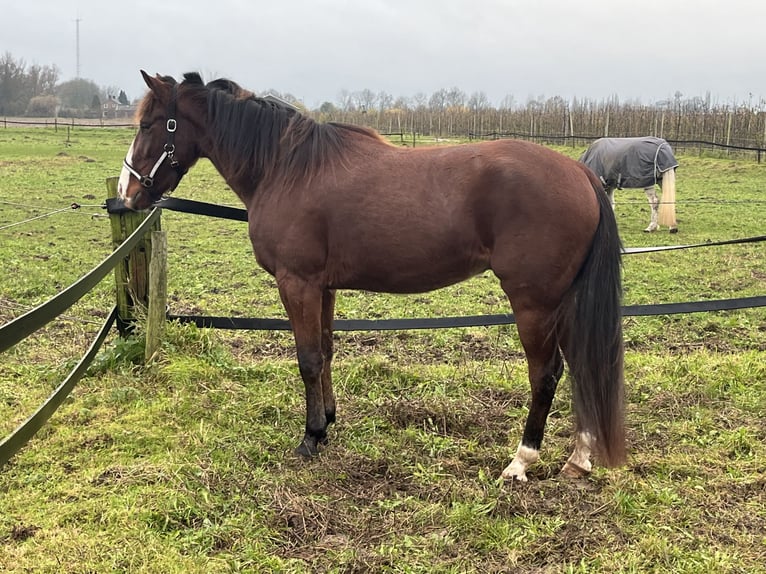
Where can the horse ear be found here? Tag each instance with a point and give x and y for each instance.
(156, 84)
(147, 79)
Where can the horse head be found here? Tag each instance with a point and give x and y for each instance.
(165, 146)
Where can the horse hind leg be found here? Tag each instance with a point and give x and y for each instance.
(328, 312)
(610, 193)
(578, 464)
(654, 206)
(545, 366)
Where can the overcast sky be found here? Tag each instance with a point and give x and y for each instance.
(643, 50)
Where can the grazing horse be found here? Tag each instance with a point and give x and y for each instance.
(334, 206)
(635, 163)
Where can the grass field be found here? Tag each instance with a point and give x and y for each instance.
(185, 465)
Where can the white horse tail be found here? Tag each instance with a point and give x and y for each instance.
(667, 214)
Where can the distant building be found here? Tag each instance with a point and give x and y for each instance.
(280, 101)
(112, 109)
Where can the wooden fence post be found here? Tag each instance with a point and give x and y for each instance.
(132, 276)
(158, 294)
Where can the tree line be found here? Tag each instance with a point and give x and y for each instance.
(453, 114)
(447, 113)
(35, 91)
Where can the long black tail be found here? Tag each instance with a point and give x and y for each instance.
(592, 316)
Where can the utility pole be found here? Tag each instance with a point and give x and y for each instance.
(77, 26)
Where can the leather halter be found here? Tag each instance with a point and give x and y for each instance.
(168, 151)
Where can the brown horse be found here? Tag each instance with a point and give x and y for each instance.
(333, 206)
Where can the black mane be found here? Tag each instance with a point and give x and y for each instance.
(264, 139)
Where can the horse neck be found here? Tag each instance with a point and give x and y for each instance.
(242, 140)
(241, 183)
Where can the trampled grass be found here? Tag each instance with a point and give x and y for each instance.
(186, 464)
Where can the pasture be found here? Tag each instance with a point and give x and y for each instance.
(186, 464)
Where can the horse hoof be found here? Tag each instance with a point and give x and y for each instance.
(515, 472)
(674, 230)
(308, 447)
(572, 470)
(515, 477)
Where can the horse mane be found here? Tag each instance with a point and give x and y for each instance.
(227, 86)
(263, 139)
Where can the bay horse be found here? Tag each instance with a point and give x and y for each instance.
(638, 162)
(334, 206)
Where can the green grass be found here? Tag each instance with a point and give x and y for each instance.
(186, 465)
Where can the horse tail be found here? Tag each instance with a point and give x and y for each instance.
(592, 325)
(667, 213)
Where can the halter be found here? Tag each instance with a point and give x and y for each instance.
(168, 151)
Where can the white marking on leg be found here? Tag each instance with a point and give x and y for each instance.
(654, 204)
(525, 456)
(122, 185)
(579, 465)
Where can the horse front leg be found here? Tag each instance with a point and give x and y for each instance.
(303, 303)
(654, 206)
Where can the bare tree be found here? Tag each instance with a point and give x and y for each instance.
(12, 75)
(385, 101)
(455, 98)
(366, 100)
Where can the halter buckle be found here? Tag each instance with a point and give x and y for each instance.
(171, 125)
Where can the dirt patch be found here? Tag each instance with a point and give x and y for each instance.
(483, 415)
(22, 532)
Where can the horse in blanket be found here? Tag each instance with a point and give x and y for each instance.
(639, 162)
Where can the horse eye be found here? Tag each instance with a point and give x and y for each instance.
(144, 126)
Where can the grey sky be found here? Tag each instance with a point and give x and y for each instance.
(643, 50)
